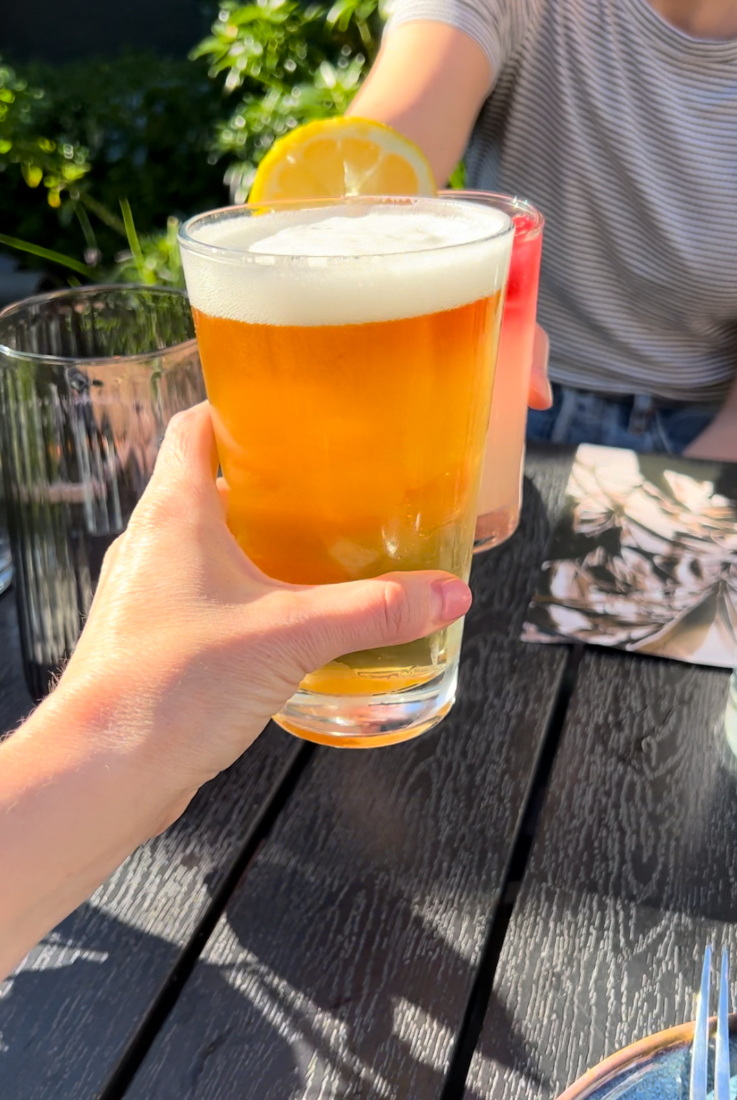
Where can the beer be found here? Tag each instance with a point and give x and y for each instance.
(348, 356)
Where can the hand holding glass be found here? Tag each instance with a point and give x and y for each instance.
(348, 352)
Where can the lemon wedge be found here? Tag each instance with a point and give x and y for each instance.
(335, 157)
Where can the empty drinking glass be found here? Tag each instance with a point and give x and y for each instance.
(6, 561)
(89, 378)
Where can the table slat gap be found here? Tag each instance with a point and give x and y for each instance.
(478, 1001)
(162, 1005)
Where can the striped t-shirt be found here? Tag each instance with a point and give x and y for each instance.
(623, 130)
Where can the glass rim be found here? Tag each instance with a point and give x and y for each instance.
(228, 254)
(489, 197)
(87, 291)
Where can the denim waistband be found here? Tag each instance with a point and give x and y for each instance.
(641, 422)
(646, 402)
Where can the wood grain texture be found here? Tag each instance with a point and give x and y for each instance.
(344, 961)
(633, 871)
(68, 1013)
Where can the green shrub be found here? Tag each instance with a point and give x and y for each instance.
(76, 140)
(164, 138)
(285, 64)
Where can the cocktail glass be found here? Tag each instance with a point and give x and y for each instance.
(348, 350)
(500, 497)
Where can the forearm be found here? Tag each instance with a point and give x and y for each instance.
(428, 83)
(74, 803)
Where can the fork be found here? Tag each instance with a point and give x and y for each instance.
(700, 1048)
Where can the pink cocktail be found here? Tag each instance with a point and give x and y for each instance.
(500, 496)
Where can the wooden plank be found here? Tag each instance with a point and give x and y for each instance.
(78, 999)
(633, 871)
(344, 961)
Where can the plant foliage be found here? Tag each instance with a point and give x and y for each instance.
(155, 139)
(285, 64)
(83, 137)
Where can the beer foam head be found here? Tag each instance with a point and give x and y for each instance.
(348, 264)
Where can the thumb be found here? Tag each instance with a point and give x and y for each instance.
(188, 458)
(334, 619)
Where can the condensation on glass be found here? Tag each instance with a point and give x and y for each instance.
(89, 379)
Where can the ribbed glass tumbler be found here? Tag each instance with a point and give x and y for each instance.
(89, 379)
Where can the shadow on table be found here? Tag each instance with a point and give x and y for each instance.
(288, 1029)
(66, 1015)
(343, 967)
(338, 1017)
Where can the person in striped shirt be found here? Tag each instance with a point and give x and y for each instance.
(618, 118)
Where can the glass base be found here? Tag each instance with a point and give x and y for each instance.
(368, 722)
(495, 527)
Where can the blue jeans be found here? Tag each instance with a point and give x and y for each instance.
(638, 422)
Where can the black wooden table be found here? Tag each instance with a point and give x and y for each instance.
(486, 911)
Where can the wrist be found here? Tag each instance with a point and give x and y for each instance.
(74, 803)
(97, 735)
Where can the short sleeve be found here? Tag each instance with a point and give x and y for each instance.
(497, 26)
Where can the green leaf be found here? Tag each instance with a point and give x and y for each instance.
(130, 232)
(457, 180)
(44, 253)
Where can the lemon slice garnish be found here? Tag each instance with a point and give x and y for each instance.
(337, 157)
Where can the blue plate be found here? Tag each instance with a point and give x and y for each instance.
(655, 1068)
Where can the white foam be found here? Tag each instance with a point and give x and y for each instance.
(339, 265)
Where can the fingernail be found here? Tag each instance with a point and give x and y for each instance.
(450, 599)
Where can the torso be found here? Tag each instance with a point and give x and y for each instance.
(623, 130)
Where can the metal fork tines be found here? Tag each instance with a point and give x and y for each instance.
(700, 1049)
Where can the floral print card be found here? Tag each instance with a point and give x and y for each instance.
(645, 559)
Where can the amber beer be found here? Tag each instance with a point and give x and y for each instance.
(348, 356)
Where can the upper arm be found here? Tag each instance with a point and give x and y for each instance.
(428, 82)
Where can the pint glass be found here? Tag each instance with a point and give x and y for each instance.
(348, 351)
